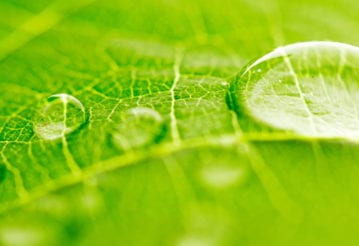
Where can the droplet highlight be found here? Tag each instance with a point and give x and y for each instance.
(61, 115)
(136, 127)
(309, 88)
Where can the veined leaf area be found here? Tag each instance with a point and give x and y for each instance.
(204, 180)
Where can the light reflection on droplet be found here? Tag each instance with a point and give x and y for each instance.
(61, 115)
(136, 127)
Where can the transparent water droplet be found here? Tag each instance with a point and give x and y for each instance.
(221, 175)
(61, 115)
(310, 88)
(136, 127)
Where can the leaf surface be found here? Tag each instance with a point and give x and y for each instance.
(214, 176)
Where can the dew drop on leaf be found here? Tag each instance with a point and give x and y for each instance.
(136, 127)
(195, 240)
(310, 88)
(222, 176)
(21, 236)
(61, 114)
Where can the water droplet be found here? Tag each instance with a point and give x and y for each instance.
(221, 176)
(136, 127)
(20, 236)
(196, 240)
(310, 88)
(61, 114)
(90, 202)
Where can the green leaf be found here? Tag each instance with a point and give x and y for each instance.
(150, 148)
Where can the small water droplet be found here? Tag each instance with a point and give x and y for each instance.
(222, 176)
(310, 88)
(136, 127)
(196, 240)
(61, 114)
(21, 236)
(224, 83)
(90, 202)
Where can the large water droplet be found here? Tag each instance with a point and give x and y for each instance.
(136, 127)
(61, 114)
(310, 88)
